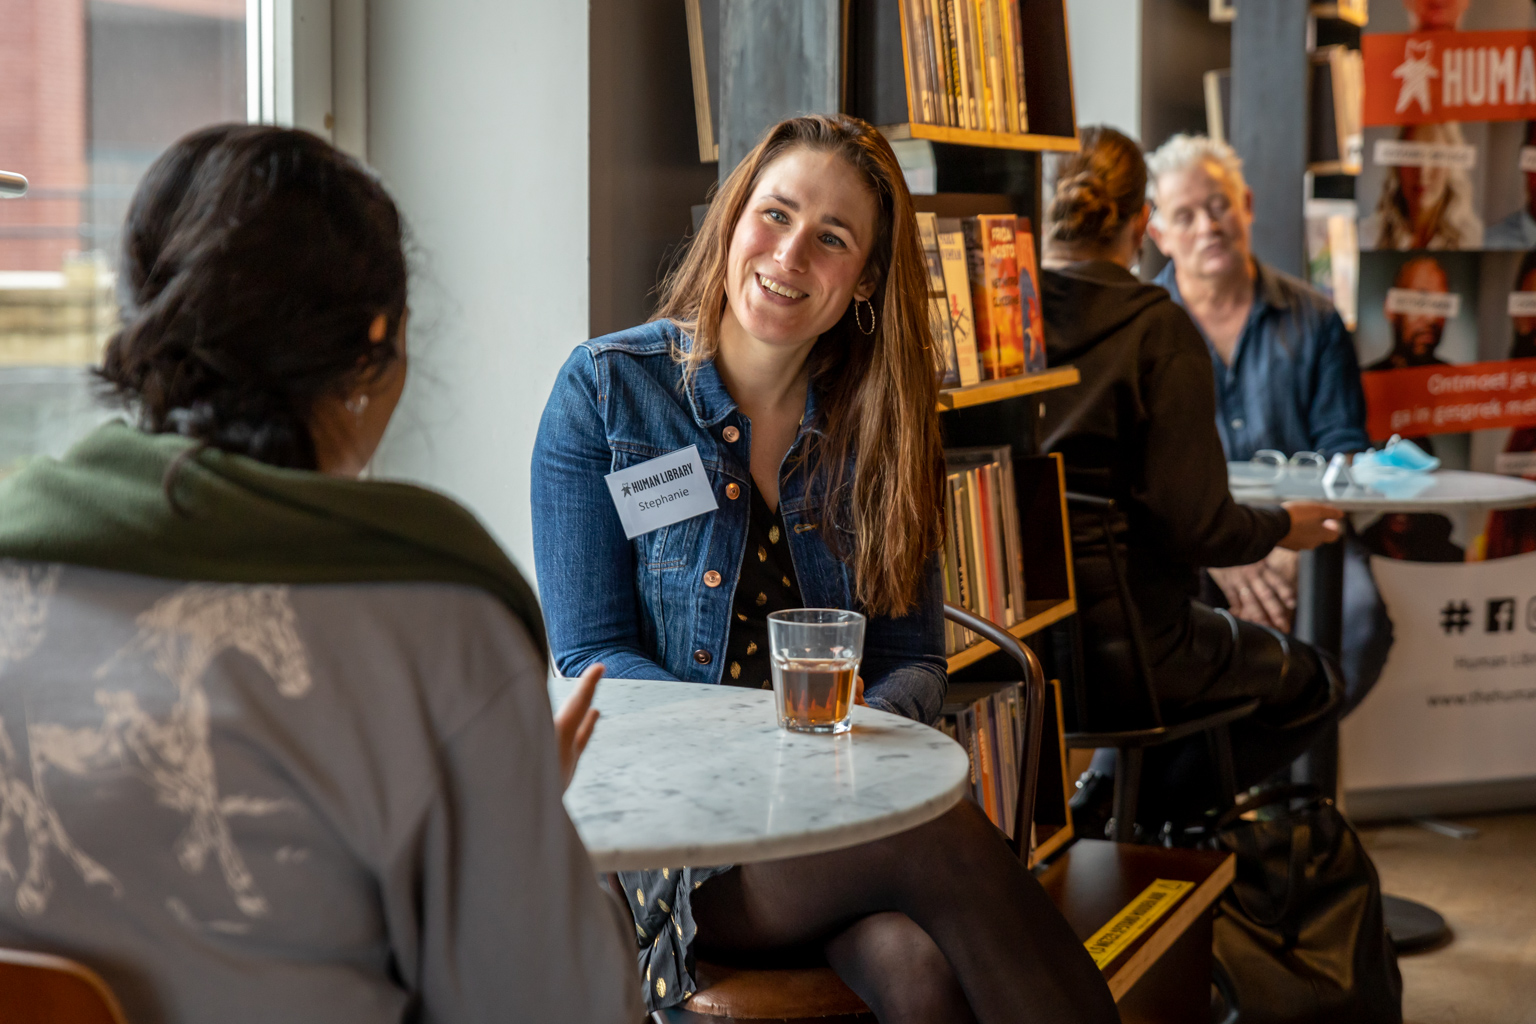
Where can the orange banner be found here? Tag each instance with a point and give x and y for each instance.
(1429, 77)
(1450, 399)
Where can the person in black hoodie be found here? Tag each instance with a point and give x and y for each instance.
(1140, 429)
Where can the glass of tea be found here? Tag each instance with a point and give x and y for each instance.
(815, 654)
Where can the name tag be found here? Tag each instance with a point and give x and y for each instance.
(661, 492)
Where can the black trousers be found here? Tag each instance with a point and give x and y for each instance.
(1204, 660)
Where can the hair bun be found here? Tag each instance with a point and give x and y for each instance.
(1083, 209)
(1100, 189)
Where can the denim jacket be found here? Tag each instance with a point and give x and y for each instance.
(643, 608)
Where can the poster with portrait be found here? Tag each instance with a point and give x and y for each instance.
(1439, 169)
(1428, 323)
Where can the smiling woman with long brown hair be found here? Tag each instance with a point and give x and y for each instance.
(791, 348)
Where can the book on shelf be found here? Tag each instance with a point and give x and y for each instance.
(946, 357)
(1031, 315)
(957, 285)
(1218, 104)
(983, 561)
(994, 268)
(964, 64)
(987, 720)
(989, 321)
(1336, 143)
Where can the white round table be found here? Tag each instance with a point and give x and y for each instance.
(693, 774)
(1320, 601)
(1446, 490)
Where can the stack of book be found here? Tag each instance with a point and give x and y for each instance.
(965, 64)
(983, 564)
(987, 719)
(983, 297)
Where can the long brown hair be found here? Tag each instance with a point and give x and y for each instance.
(879, 392)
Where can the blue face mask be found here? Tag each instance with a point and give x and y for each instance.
(1400, 453)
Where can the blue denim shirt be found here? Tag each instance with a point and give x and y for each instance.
(1294, 381)
(642, 607)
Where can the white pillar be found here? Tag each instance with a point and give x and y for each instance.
(478, 121)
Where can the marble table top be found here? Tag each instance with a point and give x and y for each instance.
(693, 774)
(1441, 491)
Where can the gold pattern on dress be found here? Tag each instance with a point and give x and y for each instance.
(678, 927)
(762, 599)
(661, 987)
(787, 583)
(751, 647)
(773, 533)
(640, 930)
(647, 972)
(697, 884)
(640, 895)
(762, 553)
(663, 905)
(735, 670)
(666, 873)
(742, 616)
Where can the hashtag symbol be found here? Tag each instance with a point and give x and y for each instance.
(1456, 616)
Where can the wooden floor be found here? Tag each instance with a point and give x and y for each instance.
(1486, 889)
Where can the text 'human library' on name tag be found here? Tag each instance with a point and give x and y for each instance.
(661, 492)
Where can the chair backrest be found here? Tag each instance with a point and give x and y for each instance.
(1034, 715)
(1140, 661)
(52, 990)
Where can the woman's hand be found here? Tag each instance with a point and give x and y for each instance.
(1312, 523)
(575, 720)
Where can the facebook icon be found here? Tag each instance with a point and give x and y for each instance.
(1501, 615)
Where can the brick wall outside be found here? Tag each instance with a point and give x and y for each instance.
(42, 129)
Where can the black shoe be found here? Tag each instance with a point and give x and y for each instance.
(1093, 804)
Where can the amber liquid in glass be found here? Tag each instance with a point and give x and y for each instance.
(814, 695)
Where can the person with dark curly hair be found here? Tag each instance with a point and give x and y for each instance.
(285, 739)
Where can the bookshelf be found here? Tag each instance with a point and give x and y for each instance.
(877, 87)
(1008, 387)
(1049, 585)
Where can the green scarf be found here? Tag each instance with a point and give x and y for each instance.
(103, 505)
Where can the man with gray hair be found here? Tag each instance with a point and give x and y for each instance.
(1285, 369)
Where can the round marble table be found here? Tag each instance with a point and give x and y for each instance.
(688, 773)
(1320, 599)
(1446, 490)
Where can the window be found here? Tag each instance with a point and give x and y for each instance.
(91, 91)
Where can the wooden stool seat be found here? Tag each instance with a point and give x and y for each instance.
(52, 990)
(774, 994)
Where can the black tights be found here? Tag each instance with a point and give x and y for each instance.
(939, 923)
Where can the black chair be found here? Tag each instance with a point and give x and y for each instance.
(809, 993)
(1133, 743)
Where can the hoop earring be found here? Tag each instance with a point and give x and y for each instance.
(859, 320)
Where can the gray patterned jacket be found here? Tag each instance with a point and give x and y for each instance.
(335, 803)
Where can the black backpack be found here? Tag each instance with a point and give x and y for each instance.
(1299, 934)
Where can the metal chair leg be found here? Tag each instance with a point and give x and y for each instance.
(1220, 740)
(1127, 794)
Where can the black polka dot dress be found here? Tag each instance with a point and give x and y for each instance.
(661, 901)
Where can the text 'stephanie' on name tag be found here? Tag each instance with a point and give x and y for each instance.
(1411, 302)
(661, 492)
